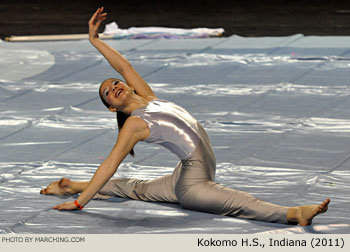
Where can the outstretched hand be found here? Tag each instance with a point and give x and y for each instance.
(68, 206)
(95, 22)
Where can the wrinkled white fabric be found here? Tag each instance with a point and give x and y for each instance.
(160, 32)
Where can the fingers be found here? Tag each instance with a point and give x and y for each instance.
(98, 16)
(92, 19)
(94, 24)
(98, 22)
(102, 16)
(59, 207)
(65, 206)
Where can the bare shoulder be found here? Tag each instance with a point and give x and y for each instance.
(136, 125)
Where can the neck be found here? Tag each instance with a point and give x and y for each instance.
(136, 102)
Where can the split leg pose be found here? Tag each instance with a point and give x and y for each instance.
(144, 117)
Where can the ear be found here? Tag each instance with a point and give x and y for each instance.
(113, 109)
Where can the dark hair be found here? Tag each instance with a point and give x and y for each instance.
(121, 118)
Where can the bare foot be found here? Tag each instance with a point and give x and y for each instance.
(303, 215)
(61, 187)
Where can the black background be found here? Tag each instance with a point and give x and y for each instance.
(242, 17)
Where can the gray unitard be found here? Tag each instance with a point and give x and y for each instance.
(192, 182)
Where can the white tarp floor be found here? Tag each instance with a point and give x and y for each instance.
(276, 110)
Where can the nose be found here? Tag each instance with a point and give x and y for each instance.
(42, 191)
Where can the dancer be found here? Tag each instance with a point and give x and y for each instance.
(143, 117)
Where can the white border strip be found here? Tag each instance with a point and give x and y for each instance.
(174, 242)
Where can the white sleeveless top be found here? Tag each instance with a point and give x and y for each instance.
(170, 126)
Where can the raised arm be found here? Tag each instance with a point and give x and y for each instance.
(135, 130)
(115, 59)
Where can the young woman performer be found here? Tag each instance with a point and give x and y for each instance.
(144, 117)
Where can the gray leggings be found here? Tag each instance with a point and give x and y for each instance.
(192, 185)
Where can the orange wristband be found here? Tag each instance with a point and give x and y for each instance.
(77, 204)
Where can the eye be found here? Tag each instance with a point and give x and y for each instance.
(106, 92)
(116, 82)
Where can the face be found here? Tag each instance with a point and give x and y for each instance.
(116, 93)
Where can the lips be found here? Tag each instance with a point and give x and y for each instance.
(118, 92)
